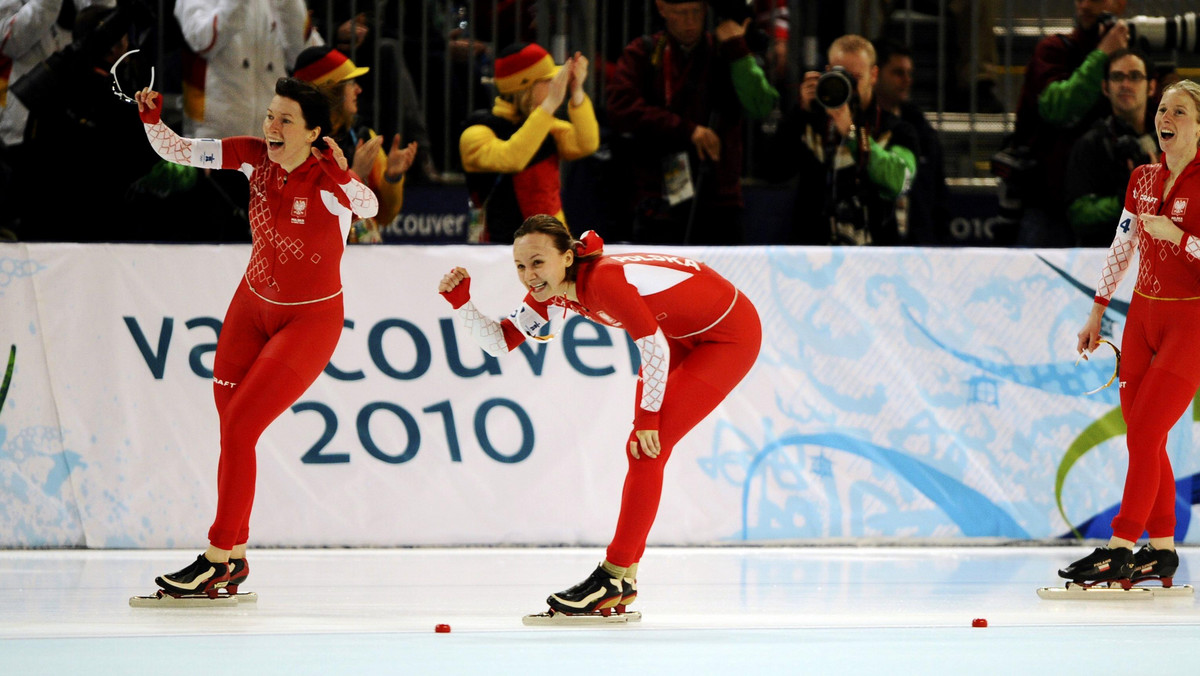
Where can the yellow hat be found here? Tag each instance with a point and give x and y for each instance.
(320, 65)
(520, 65)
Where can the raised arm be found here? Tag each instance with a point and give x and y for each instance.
(496, 338)
(205, 153)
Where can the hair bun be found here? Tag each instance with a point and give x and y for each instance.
(589, 243)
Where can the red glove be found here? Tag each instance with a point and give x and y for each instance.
(330, 167)
(153, 115)
(459, 295)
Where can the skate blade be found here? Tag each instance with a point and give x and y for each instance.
(242, 597)
(1097, 593)
(161, 600)
(551, 618)
(1168, 592)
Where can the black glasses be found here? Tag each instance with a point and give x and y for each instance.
(1117, 77)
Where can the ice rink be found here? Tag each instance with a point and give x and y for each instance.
(716, 610)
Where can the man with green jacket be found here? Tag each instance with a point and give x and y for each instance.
(1060, 100)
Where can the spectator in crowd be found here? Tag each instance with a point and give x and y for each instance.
(400, 107)
(511, 152)
(236, 52)
(30, 31)
(854, 158)
(679, 98)
(382, 171)
(1102, 159)
(1060, 99)
(925, 206)
(91, 117)
(233, 54)
(969, 28)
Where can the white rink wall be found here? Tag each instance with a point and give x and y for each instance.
(901, 394)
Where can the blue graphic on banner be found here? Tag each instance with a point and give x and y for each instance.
(949, 378)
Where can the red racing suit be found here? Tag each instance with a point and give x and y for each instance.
(286, 316)
(697, 334)
(1160, 368)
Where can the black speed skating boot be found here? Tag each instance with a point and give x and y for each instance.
(599, 592)
(1102, 565)
(201, 578)
(1155, 564)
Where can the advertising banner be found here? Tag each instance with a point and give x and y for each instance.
(901, 394)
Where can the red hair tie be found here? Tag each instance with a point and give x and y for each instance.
(590, 243)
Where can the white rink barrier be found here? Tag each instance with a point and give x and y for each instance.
(901, 394)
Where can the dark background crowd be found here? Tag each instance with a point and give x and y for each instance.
(972, 122)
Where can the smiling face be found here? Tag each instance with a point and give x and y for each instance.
(1177, 123)
(541, 267)
(289, 141)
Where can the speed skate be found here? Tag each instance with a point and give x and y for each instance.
(162, 599)
(1120, 574)
(203, 584)
(600, 599)
(605, 616)
(1116, 592)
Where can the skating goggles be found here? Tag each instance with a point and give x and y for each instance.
(1116, 369)
(116, 85)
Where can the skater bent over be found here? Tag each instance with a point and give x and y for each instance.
(1160, 368)
(286, 315)
(696, 333)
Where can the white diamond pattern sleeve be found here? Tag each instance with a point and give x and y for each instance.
(1120, 255)
(362, 199)
(204, 153)
(656, 359)
(485, 331)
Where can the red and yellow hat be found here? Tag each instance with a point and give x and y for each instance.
(520, 65)
(320, 65)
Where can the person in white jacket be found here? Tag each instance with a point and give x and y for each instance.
(238, 49)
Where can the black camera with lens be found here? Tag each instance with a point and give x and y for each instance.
(836, 87)
(1166, 33)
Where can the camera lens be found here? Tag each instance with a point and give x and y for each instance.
(834, 88)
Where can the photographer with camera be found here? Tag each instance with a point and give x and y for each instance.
(854, 159)
(678, 98)
(1060, 100)
(1102, 159)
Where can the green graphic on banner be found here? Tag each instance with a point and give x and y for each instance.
(12, 359)
(1110, 425)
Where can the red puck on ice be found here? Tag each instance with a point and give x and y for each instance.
(445, 628)
(977, 622)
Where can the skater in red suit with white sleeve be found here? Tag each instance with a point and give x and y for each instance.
(1160, 366)
(697, 335)
(286, 315)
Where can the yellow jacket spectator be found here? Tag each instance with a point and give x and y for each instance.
(511, 152)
